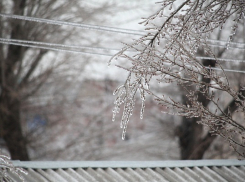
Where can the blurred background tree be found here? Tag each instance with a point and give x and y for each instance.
(24, 70)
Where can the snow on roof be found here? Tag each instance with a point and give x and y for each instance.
(120, 171)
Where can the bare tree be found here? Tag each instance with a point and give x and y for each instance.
(168, 54)
(24, 70)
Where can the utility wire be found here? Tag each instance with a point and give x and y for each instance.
(226, 70)
(225, 46)
(58, 47)
(81, 52)
(99, 28)
(79, 25)
(221, 59)
(70, 46)
(103, 28)
(231, 43)
(53, 49)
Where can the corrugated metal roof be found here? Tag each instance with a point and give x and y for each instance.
(145, 171)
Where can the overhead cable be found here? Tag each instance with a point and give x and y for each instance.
(57, 45)
(221, 59)
(225, 46)
(226, 70)
(53, 49)
(79, 25)
(231, 43)
(101, 54)
(82, 52)
(106, 28)
(60, 47)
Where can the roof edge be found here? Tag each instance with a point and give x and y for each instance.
(125, 164)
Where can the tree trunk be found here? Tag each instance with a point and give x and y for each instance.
(10, 102)
(189, 133)
(11, 126)
(201, 147)
(192, 145)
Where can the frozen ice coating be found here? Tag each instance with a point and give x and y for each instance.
(179, 32)
(126, 95)
(7, 165)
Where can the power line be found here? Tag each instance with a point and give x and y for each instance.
(54, 49)
(226, 70)
(79, 25)
(107, 29)
(101, 54)
(226, 46)
(56, 45)
(27, 43)
(221, 59)
(231, 43)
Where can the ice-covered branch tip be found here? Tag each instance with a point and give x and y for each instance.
(126, 95)
(7, 166)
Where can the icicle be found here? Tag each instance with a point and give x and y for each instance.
(123, 136)
(142, 109)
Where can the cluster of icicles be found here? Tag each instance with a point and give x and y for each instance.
(126, 95)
